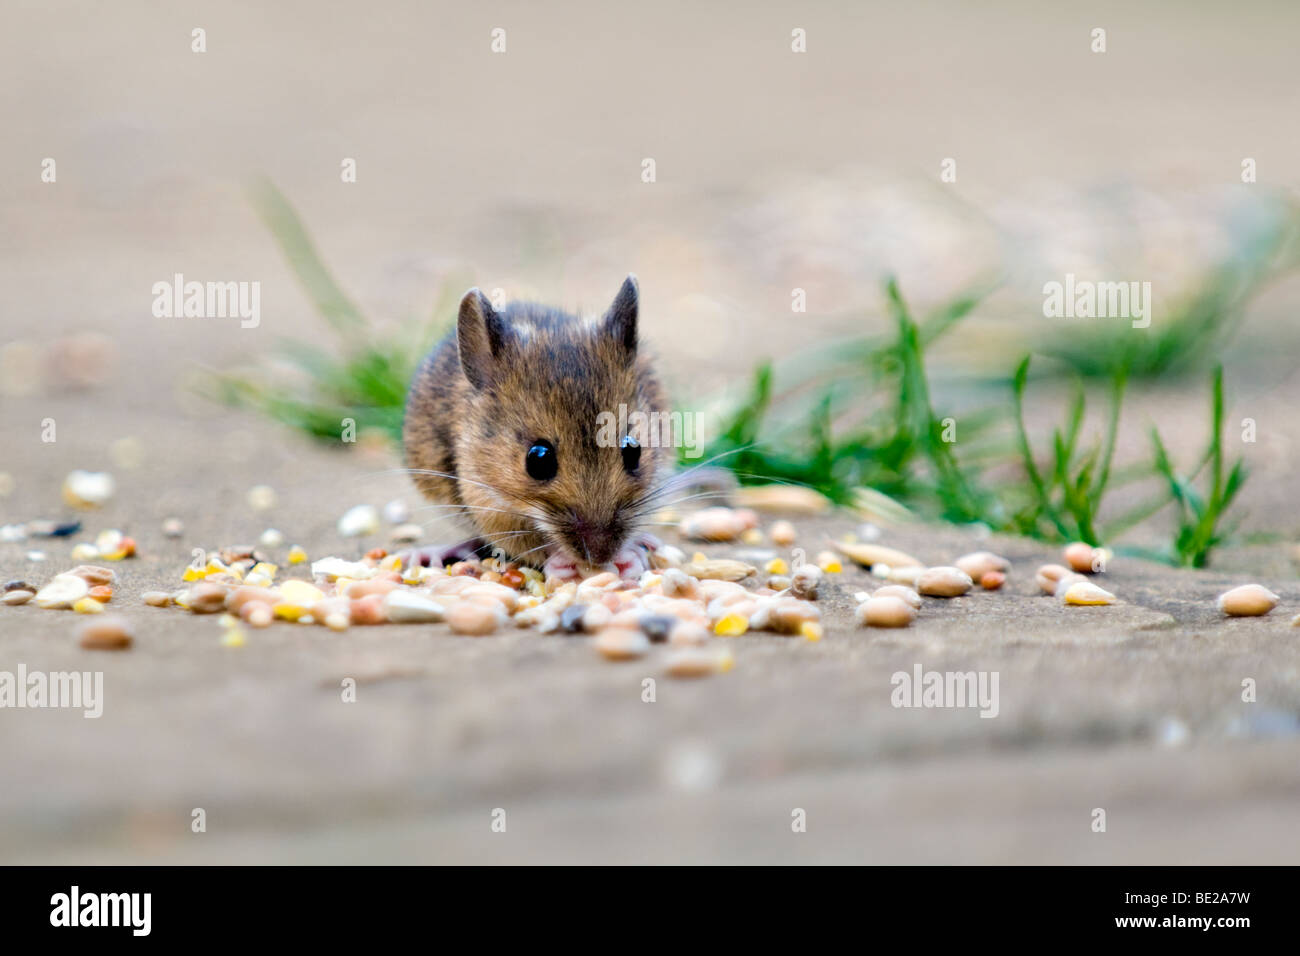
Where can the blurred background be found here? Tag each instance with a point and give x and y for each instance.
(523, 171)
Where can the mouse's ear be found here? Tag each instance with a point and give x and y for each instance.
(480, 336)
(620, 320)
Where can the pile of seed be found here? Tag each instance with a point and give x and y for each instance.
(85, 588)
(682, 602)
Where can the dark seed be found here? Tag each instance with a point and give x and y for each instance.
(52, 529)
(571, 618)
(17, 585)
(657, 627)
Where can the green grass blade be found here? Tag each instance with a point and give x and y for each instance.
(288, 230)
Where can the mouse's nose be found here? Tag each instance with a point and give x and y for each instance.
(595, 541)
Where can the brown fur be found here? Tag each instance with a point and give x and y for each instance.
(539, 374)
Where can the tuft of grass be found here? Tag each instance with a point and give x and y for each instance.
(1066, 499)
(899, 450)
(869, 422)
(916, 422)
(1199, 514)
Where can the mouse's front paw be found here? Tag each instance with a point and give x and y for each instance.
(562, 567)
(440, 555)
(634, 558)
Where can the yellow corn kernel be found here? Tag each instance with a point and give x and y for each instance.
(726, 661)
(811, 630)
(264, 567)
(234, 637)
(215, 568)
(391, 563)
(751, 536)
(289, 612)
(87, 605)
(731, 625)
(777, 566)
(300, 593)
(192, 574)
(297, 555)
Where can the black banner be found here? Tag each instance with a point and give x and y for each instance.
(238, 904)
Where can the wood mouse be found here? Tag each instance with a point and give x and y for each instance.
(503, 428)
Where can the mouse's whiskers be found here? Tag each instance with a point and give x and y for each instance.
(464, 509)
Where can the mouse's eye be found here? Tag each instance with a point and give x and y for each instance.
(631, 454)
(540, 461)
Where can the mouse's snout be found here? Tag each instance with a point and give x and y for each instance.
(594, 540)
